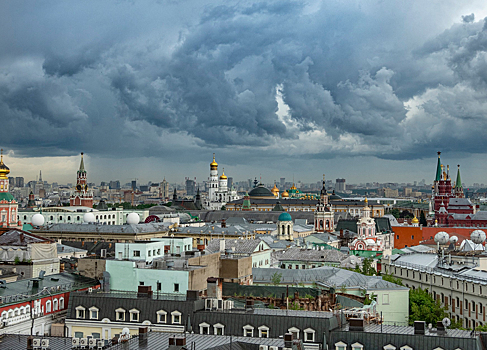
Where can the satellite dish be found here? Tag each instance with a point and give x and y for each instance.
(89, 217)
(133, 219)
(453, 239)
(430, 326)
(442, 237)
(446, 322)
(125, 330)
(478, 236)
(37, 220)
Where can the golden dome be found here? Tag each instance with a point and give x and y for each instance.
(293, 187)
(213, 164)
(223, 177)
(275, 191)
(284, 194)
(415, 220)
(4, 170)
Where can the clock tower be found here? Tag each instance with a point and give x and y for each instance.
(81, 195)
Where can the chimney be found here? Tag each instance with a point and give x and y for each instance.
(224, 223)
(288, 340)
(356, 324)
(177, 340)
(419, 327)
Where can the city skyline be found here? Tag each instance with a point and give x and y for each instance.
(367, 91)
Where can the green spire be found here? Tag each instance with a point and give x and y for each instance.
(438, 168)
(82, 165)
(458, 184)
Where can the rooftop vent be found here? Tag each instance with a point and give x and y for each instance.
(419, 327)
(356, 324)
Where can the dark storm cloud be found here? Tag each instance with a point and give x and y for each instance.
(151, 78)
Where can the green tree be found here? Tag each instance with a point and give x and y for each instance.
(422, 219)
(422, 307)
(223, 207)
(395, 212)
(366, 268)
(276, 278)
(392, 279)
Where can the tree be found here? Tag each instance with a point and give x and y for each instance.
(395, 212)
(223, 207)
(276, 278)
(422, 307)
(406, 214)
(392, 279)
(366, 268)
(422, 219)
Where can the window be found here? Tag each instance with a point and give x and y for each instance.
(176, 287)
(54, 305)
(61, 303)
(78, 334)
(357, 346)
(385, 299)
(48, 306)
(176, 317)
(161, 316)
(204, 328)
(96, 335)
(219, 329)
(340, 346)
(93, 313)
(263, 332)
(309, 335)
(80, 312)
(406, 347)
(136, 253)
(159, 285)
(248, 331)
(149, 253)
(120, 314)
(389, 347)
(134, 315)
(294, 331)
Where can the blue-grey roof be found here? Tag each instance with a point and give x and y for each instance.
(62, 248)
(304, 254)
(326, 275)
(129, 229)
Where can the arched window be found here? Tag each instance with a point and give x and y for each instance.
(54, 305)
(61, 303)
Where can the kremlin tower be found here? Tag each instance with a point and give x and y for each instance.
(8, 204)
(81, 195)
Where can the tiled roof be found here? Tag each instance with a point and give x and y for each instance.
(303, 254)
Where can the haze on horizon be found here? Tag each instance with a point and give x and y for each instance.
(365, 90)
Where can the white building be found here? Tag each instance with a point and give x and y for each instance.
(218, 192)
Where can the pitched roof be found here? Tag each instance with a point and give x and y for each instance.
(16, 237)
(242, 246)
(303, 254)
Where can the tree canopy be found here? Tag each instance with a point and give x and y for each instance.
(422, 307)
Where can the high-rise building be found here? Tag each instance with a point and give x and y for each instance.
(134, 185)
(340, 185)
(19, 181)
(190, 187)
(114, 185)
(282, 182)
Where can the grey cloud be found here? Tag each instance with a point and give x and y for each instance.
(468, 18)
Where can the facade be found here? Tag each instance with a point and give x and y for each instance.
(26, 309)
(367, 238)
(457, 281)
(257, 248)
(30, 253)
(323, 216)
(82, 196)
(8, 204)
(218, 192)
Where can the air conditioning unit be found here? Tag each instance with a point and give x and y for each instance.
(208, 304)
(75, 342)
(90, 290)
(100, 344)
(83, 342)
(103, 253)
(92, 342)
(263, 347)
(45, 343)
(36, 343)
(273, 348)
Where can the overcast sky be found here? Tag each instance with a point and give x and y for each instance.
(365, 90)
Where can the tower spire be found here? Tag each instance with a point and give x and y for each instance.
(458, 183)
(82, 165)
(438, 168)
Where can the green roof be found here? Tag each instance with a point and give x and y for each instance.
(27, 227)
(5, 196)
(285, 217)
(458, 183)
(438, 169)
(365, 253)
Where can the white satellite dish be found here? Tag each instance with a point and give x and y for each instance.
(478, 236)
(446, 322)
(37, 220)
(133, 219)
(442, 237)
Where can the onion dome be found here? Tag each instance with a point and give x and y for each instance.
(285, 194)
(415, 220)
(285, 217)
(4, 170)
(293, 187)
(213, 164)
(275, 190)
(223, 177)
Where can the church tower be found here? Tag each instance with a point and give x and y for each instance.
(8, 204)
(458, 190)
(81, 195)
(323, 215)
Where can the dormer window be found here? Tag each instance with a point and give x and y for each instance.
(161, 316)
(120, 314)
(80, 312)
(93, 313)
(134, 315)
